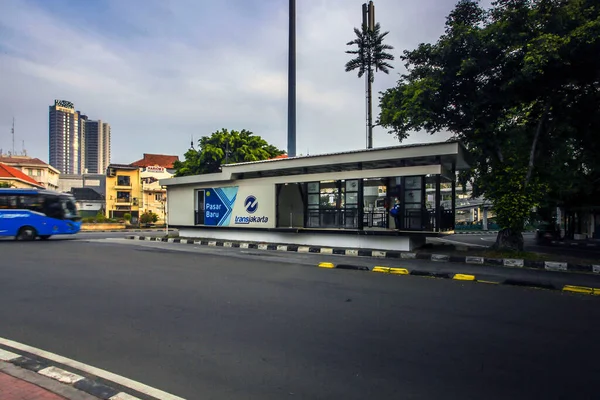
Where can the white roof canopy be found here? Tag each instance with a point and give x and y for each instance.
(447, 154)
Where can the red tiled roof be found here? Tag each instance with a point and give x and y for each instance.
(13, 173)
(151, 160)
(21, 160)
(280, 156)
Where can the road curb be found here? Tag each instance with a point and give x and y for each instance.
(72, 377)
(469, 278)
(476, 232)
(498, 262)
(575, 244)
(124, 230)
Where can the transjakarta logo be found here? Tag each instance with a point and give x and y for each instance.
(251, 205)
(250, 220)
(7, 216)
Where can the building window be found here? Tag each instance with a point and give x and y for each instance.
(158, 197)
(123, 197)
(123, 180)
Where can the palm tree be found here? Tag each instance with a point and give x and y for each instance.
(370, 55)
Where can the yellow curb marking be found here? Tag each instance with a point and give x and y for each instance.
(463, 277)
(581, 289)
(398, 271)
(326, 265)
(388, 270)
(385, 270)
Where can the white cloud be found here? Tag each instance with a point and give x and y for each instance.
(164, 71)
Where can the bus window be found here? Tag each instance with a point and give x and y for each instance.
(53, 208)
(8, 202)
(31, 202)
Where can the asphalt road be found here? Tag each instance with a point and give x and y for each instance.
(210, 326)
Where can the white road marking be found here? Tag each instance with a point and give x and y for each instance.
(123, 396)
(460, 243)
(140, 387)
(60, 375)
(7, 355)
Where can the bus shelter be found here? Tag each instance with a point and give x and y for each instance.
(340, 199)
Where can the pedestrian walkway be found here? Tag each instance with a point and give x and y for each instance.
(16, 389)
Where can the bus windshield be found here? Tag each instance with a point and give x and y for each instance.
(69, 207)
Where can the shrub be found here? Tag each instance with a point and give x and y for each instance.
(148, 217)
(100, 217)
(127, 217)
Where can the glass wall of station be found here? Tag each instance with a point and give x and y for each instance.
(424, 203)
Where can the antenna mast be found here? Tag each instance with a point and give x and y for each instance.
(13, 136)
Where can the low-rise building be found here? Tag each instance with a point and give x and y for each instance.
(68, 182)
(89, 202)
(154, 196)
(12, 177)
(42, 172)
(123, 191)
(154, 167)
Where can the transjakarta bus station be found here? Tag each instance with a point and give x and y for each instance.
(337, 200)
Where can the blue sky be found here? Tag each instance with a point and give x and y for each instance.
(160, 71)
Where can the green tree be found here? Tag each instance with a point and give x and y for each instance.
(5, 185)
(225, 147)
(371, 55)
(517, 84)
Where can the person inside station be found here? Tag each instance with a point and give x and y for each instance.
(395, 212)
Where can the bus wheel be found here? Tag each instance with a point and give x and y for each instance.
(45, 237)
(26, 233)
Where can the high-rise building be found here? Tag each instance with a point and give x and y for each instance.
(82, 121)
(97, 146)
(64, 137)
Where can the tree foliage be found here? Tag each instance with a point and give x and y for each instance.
(148, 217)
(371, 53)
(519, 85)
(5, 185)
(225, 147)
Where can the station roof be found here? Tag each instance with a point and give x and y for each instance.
(447, 153)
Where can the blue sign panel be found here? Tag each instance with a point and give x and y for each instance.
(218, 205)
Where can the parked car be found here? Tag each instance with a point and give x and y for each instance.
(546, 233)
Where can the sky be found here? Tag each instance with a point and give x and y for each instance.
(163, 71)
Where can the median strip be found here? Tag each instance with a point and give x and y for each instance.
(385, 254)
(464, 277)
(519, 263)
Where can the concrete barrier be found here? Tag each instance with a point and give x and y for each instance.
(102, 227)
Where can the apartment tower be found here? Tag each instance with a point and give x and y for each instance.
(97, 146)
(65, 137)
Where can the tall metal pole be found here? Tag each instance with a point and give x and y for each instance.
(292, 82)
(369, 10)
(370, 109)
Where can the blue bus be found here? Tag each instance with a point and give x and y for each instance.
(27, 214)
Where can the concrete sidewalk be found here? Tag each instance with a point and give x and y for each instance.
(21, 384)
(16, 389)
